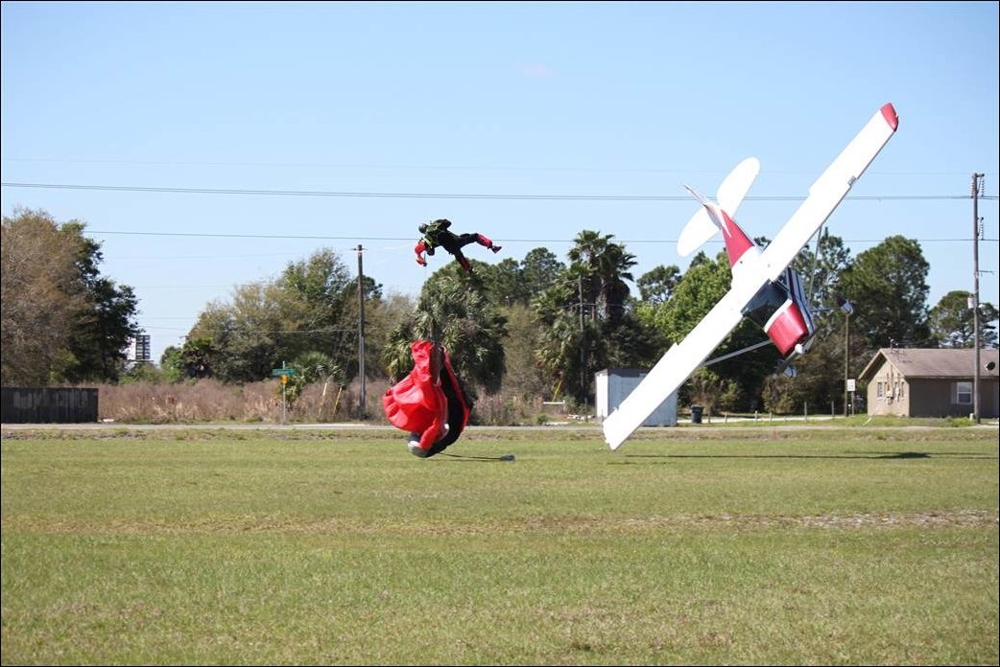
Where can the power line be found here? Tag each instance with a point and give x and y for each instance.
(296, 237)
(421, 167)
(445, 195)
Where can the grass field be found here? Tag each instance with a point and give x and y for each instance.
(691, 545)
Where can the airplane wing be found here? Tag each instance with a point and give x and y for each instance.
(828, 191)
(683, 358)
(675, 367)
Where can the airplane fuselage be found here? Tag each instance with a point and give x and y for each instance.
(780, 307)
(781, 310)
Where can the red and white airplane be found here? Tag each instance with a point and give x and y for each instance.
(779, 307)
(764, 287)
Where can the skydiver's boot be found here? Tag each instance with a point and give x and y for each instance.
(413, 444)
(488, 243)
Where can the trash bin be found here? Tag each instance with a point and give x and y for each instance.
(696, 411)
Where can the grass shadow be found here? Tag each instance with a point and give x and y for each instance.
(857, 455)
(469, 457)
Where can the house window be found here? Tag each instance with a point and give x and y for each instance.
(901, 392)
(963, 393)
(880, 390)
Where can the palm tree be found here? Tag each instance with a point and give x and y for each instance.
(584, 309)
(454, 310)
(605, 266)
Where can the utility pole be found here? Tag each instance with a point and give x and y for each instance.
(361, 335)
(848, 309)
(977, 185)
(583, 347)
(847, 362)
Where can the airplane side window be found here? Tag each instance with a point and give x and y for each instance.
(765, 303)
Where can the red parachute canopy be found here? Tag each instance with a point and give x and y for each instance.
(428, 399)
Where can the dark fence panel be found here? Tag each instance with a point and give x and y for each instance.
(48, 405)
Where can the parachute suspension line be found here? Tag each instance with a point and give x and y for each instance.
(434, 335)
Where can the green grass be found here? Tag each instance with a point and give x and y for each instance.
(761, 545)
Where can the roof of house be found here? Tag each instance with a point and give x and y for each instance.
(935, 363)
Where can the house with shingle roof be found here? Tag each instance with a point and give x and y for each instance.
(931, 382)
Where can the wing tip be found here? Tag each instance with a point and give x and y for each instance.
(890, 116)
(613, 437)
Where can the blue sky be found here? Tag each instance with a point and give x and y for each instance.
(504, 117)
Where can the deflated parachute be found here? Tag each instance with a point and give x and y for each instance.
(429, 402)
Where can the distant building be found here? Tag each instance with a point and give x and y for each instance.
(139, 349)
(49, 405)
(613, 385)
(931, 382)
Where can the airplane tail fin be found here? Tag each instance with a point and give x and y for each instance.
(700, 228)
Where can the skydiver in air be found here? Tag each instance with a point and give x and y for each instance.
(436, 233)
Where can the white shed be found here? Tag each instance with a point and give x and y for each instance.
(614, 384)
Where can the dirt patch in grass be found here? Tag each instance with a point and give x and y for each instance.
(548, 525)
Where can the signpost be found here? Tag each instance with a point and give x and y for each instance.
(284, 374)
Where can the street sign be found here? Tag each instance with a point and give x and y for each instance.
(283, 372)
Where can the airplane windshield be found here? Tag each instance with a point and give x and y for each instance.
(766, 303)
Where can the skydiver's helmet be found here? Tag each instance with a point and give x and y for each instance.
(422, 228)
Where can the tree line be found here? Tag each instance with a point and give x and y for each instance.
(539, 326)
